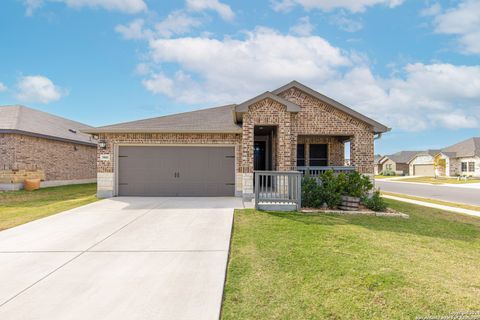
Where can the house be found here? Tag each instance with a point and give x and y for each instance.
(376, 163)
(462, 158)
(397, 162)
(35, 144)
(214, 152)
(422, 164)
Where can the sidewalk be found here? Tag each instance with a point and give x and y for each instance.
(436, 206)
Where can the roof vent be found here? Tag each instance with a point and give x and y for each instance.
(72, 130)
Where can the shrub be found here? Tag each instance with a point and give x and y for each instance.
(375, 202)
(357, 185)
(330, 187)
(388, 173)
(310, 192)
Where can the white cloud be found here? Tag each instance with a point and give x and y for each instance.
(38, 89)
(222, 9)
(218, 71)
(432, 10)
(265, 57)
(345, 23)
(464, 22)
(134, 30)
(303, 27)
(176, 22)
(328, 5)
(3, 87)
(125, 6)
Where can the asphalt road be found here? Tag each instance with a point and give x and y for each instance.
(438, 192)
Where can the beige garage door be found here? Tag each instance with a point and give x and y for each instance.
(176, 171)
(423, 170)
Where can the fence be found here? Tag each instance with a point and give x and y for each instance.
(278, 190)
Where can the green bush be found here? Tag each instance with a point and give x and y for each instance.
(330, 187)
(310, 193)
(357, 185)
(388, 173)
(375, 202)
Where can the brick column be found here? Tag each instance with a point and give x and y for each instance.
(361, 152)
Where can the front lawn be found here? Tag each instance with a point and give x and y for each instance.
(19, 207)
(438, 180)
(296, 266)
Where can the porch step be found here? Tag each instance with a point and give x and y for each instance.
(277, 207)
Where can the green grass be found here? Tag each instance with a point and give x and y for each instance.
(444, 203)
(19, 207)
(438, 180)
(294, 266)
(379, 177)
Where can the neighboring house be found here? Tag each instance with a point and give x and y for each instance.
(376, 162)
(462, 158)
(35, 144)
(214, 152)
(422, 164)
(397, 162)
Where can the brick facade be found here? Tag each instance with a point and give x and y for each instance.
(51, 160)
(316, 122)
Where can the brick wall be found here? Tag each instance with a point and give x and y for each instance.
(318, 118)
(58, 160)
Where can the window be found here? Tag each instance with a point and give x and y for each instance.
(471, 166)
(300, 155)
(389, 167)
(464, 167)
(318, 155)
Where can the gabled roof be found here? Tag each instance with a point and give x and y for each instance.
(24, 120)
(377, 158)
(243, 107)
(466, 148)
(212, 120)
(403, 156)
(430, 152)
(377, 126)
(223, 119)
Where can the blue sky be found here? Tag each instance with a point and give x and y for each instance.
(413, 65)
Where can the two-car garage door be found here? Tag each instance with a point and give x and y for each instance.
(176, 171)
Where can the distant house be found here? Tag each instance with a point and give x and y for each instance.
(35, 144)
(462, 158)
(422, 164)
(376, 161)
(397, 162)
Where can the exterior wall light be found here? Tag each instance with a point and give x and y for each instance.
(102, 144)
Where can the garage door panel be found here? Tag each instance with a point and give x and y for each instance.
(151, 171)
(423, 170)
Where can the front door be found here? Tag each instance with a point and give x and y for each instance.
(260, 155)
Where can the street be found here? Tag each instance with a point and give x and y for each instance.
(438, 192)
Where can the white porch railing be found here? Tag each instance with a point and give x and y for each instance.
(278, 190)
(314, 172)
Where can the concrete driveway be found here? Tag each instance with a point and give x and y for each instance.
(121, 258)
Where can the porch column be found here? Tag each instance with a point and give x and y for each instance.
(362, 153)
(246, 166)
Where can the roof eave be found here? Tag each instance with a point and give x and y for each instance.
(124, 130)
(377, 126)
(44, 136)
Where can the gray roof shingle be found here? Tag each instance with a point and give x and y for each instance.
(466, 148)
(20, 119)
(403, 156)
(212, 120)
